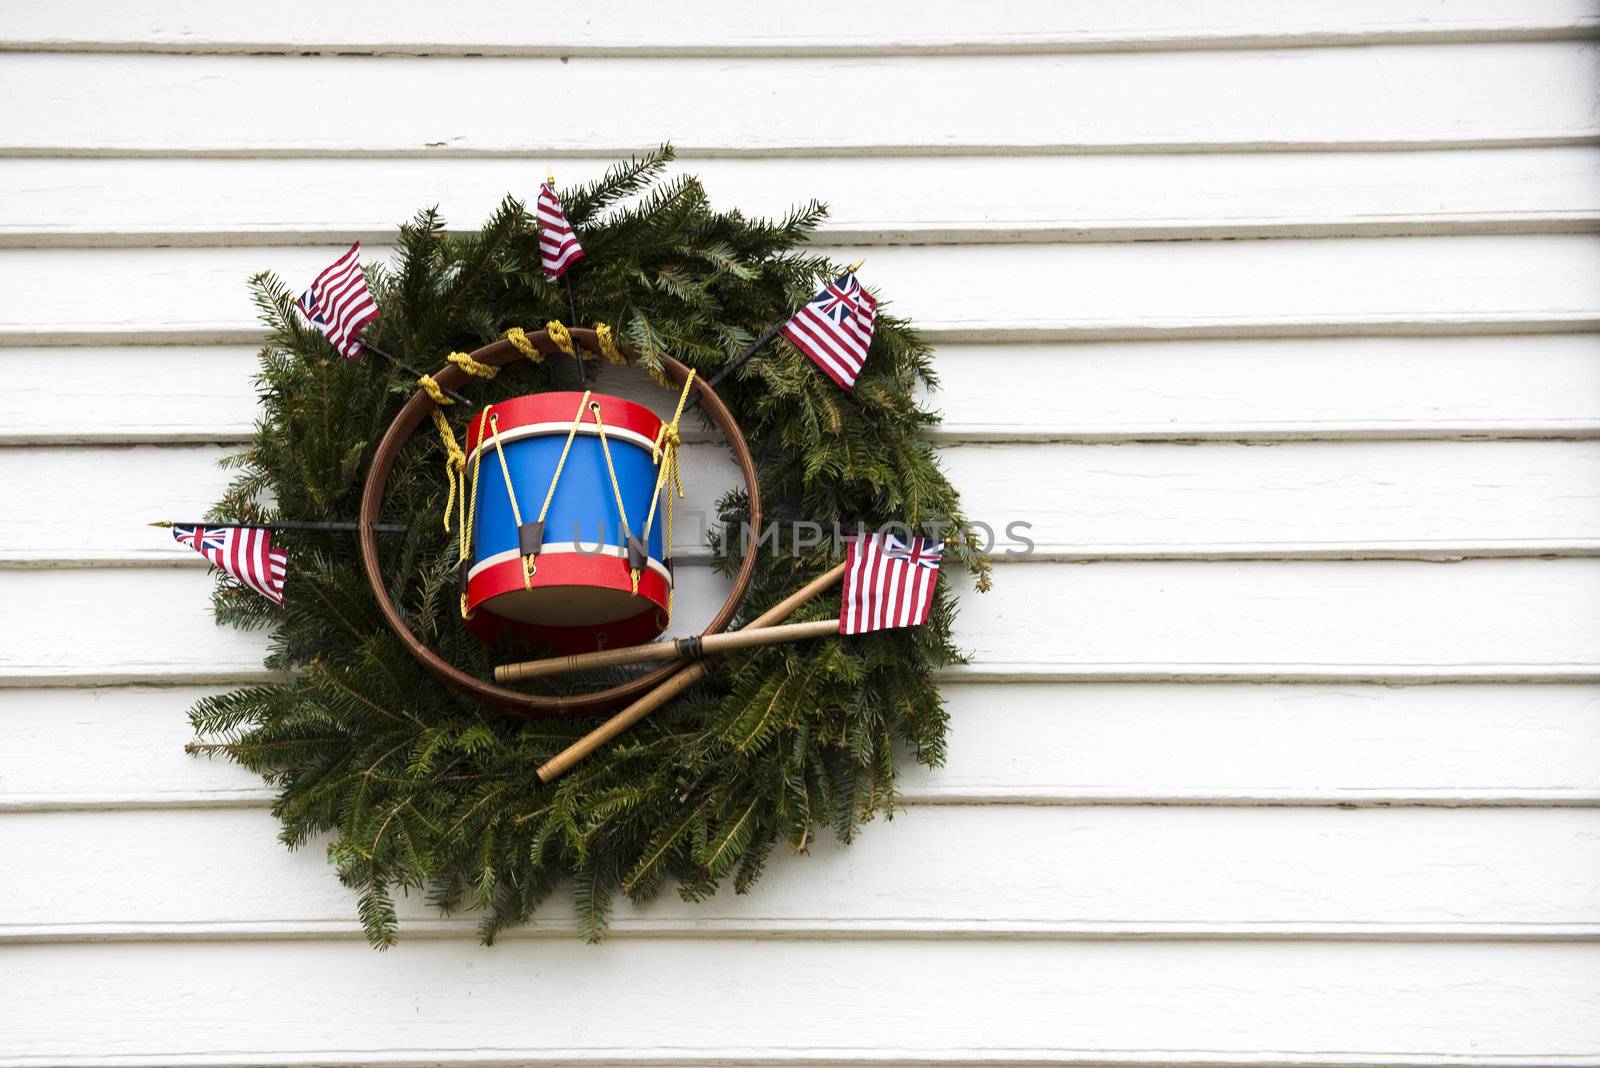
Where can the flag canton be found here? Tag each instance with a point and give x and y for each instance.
(843, 300)
(201, 539)
(918, 552)
(313, 308)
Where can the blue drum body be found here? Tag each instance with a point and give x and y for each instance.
(576, 592)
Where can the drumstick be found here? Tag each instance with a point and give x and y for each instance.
(676, 684)
(689, 648)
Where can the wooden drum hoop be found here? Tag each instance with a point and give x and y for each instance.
(415, 413)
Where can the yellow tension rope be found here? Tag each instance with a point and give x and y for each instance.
(669, 477)
(561, 463)
(464, 541)
(616, 490)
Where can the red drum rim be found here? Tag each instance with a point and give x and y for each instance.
(562, 571)
(414, 413)
(537, 414)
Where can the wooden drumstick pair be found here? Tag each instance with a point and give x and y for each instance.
(759, 631)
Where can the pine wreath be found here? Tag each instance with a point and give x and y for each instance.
(424, 791)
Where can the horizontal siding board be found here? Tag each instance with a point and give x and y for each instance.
(1088, 501)
(1266, 743)
(725, 27)
(1272, 388)
(1264, 389)
(1294, 620)
(114, 202)
(645, 1001)
(1173, 500)
(1020, 743)
(1443, 95)
(1040, 292)
(940, 869)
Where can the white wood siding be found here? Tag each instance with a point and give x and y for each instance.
(1279, 321)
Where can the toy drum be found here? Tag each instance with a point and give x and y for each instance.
(566, 582)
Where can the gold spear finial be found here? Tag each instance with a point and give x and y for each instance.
(161, 523)
(854, 267)
(550, 177)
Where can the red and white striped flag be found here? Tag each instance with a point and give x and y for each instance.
(888, 582)
(558, 245)
(835, 329)
(246, 553)
(339, 303)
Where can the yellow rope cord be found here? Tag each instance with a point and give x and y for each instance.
(455, 461)
(464, 551)
(471, 366)
(528, 568)
(561, 337)
(668, 477)
(520, 341)
(472, 502)
(622, 509)
(608, 344)
(577, 420)
(432, 389)
(511, 494)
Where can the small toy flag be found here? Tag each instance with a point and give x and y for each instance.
(888, 582)
(246, 553)
(558, 245)
(339, 304)
(835, 329)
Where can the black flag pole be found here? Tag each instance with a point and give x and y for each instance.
(572, 300)
(756, 345)
(293, 524)
(572, 306)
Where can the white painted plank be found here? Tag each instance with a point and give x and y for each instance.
(1400, 620)
(784, 1002)
(1032, 292)
(724, 27)
(1378, 387)
(1019, 743)
(935, 870)
(1286, 620)
(155, 393)
(871, 200)
(1341, 498)
(1388, 96)
(1273, 744)
(1078, 501)
(1264, 389)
